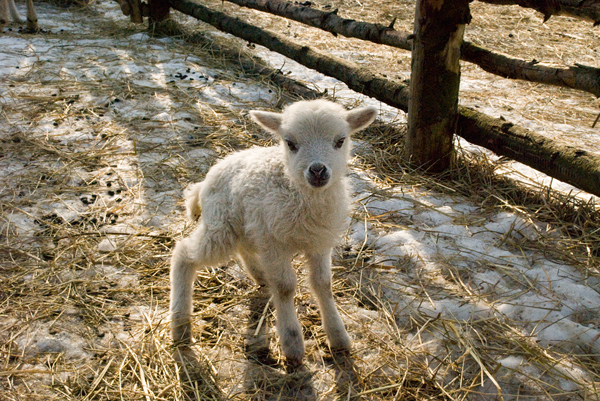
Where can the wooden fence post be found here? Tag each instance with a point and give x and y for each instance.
(158, 11)
(434, 83)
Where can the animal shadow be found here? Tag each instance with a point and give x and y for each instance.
(264, 378)
(197, 380)
(347, 379)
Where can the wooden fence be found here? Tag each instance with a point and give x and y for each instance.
(575, 166)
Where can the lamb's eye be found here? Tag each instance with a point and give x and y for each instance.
(339, 143)
(291, 145)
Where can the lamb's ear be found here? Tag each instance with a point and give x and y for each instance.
(361, 118)
(269, 121)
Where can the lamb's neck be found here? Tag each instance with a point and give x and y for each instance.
(333, 195)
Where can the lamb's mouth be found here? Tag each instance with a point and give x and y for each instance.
(318, 182)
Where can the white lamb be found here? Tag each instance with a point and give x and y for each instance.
(8, 7)
(265, 205)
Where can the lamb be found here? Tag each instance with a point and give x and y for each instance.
(265, 205)
(8, 7)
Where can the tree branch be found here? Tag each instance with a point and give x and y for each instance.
(566, 163)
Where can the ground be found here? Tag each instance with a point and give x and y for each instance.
(474, 285)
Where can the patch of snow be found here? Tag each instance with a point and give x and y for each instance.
(107, 245)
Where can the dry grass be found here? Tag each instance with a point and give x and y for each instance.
(88, 223)
(461, 356)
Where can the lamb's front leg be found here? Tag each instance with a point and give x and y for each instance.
(320, 280)
(281, 279)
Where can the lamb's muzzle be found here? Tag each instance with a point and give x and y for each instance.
(318, 175)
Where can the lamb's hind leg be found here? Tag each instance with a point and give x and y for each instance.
(320, 281)
(252, 265)
(281, 279)
(203, 248)
(12, 10)
(257, 345)
(183, 274)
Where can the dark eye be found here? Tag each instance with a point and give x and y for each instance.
(339, 143)
(291, 145)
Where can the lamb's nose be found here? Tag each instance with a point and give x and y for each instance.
(318, 170)
(318, 175)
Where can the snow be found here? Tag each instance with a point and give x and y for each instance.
(107, 245)
(552, 301)
(539, 295)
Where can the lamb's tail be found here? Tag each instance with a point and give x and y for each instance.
(193, 202)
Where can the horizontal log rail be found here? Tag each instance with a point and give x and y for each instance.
(577, 77)
(588, 10)
(574, 166)
(329, 21)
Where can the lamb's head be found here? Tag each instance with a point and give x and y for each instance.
(315, 137)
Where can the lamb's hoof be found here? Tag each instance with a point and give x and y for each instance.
(340, 353)
(341, 343)
(182, 334)
(184, 354)
(292, 346)
(33, 28)
(293, 364)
